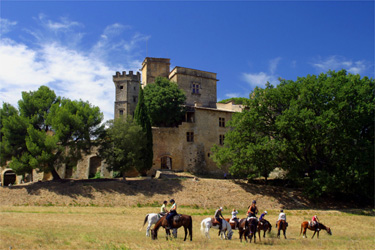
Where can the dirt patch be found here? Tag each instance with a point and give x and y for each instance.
(185, 189)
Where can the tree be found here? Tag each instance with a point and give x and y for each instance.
(49, 131)
(318, 128)
(142, 118)
(164, 102)
(123, 145)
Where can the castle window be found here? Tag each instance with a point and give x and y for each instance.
(190, 136)
(195, 88)
(121, 112)
(221, 139)
(121, 87)
(134, 99)
(221, 122)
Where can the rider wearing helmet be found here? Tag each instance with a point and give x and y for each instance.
(218, 215)
(261, 218)
(282, 216)
(234, 217)
(172, 212)
(315, 222)
(253, 210)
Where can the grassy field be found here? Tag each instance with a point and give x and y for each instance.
(75, 227)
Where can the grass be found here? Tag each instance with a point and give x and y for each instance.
(79, 227)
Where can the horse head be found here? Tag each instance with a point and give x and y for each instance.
(154, 234)
(329, 230)
(230, 234)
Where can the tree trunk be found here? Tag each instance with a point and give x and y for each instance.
(55, 175)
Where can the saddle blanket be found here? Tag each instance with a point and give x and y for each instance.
(250, 218)
(312, 223)
(177, 217)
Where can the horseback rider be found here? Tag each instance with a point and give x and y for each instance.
(172, 212)
(234, 217)
(261, 218)
(315, 222)
(163, 209)
(282, 216)
(218, 215)
(253, 210)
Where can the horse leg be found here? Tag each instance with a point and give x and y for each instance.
(317, 235)
(284, 233)
(313, 234)
(264, 234)
(148, 229)
(191, 232)
(185, 233)
(259, 234)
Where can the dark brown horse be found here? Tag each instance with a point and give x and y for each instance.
(319, 226)
(281, 225)
(183, 220)
(248, 228)
(265, 226)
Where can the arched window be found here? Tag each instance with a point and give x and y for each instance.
(166, 162)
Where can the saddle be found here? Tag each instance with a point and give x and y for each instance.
(312, 223)
(252, 218)
(214, 222)
(176, 218)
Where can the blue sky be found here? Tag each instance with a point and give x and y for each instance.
(76, 47)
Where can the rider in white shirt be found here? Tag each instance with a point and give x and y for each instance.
(282, 216)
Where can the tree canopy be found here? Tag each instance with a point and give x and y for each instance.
(48, 131)
(123, 145)
(164, 102)
(319, 129)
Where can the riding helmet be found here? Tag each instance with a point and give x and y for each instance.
(171, 200)
(281, 210)
(265, 212)
(165, 202)
(254, 201)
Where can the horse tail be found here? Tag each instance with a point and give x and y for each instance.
(146, 218)
(191, 228)
(202, 226)
(301, 229)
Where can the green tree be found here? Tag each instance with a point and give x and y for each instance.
(235, 100)
(318, 128)
(123, 145)
(49, 132)
(142, 118)
(164, 102)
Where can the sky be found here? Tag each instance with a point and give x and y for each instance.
(74, 47)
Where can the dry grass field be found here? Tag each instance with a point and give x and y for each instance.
(54, 227)
(108, 214)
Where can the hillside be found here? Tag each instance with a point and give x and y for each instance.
(205, 193)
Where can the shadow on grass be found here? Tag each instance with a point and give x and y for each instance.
(86, 188)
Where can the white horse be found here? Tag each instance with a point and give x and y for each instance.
(206, 224)
(152, 218)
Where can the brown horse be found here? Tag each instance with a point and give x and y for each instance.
(183, 220)
(233, 225)
(319, 226)
(281, 225)
(265, 226)
(248, 228)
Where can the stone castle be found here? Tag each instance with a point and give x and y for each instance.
(183, 148)
(188, 146)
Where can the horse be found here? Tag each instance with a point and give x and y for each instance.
(177, 221)
(152, 218)
(265, 226)
(247, 228)
(208, 223)
(305, 225)
(234, 226)
(281, 225)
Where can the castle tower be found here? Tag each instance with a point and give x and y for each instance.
(154, 67)
(127, 89)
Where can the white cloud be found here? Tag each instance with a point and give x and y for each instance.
(259, 79)
(273, 64)
(71, 72)
(6, 25)
(338, 62)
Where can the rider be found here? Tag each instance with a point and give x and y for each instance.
(218, 215)
(261, 218)
(282, 216)
(315, 222)
(163, 209)
(172, 212)
(253, 210)
(234, 217)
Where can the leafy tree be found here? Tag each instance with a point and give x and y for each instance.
(123, 145)
(143, 119)
(49, 131)
(164, 102)
(236, 100)
(318, 128)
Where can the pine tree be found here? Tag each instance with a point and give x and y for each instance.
(143, 119)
